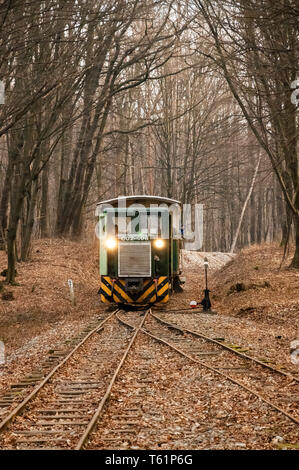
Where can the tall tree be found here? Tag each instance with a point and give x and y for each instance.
(255, 44)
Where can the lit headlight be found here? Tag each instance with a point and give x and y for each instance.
(111, 243)
(159, 243)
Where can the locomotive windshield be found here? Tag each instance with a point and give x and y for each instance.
(135, 223)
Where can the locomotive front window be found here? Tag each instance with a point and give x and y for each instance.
(152, 224)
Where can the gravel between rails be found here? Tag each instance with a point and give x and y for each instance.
(56, 417)
(279, 389)
(261, 341)
(162, 400)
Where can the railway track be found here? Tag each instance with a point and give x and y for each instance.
(13, 401)
(228, 362)
(63, 406)
(235, 349)
(255, 376)
(145, 392)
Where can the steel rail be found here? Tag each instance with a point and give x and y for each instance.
(124, 323)
(34, 392)
(99, 410)
(227, 377)
(225, 346)
(190, 310)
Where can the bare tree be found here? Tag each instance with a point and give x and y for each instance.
(255, 44)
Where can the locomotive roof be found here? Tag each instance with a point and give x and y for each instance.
(140, 198)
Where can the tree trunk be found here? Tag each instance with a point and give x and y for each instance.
(44, 203)
(29, 221)
(11, 254)
(252, 219)
(244, 206)
(295, 261)
(4, 206)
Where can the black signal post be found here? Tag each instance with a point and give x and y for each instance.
(206, 302)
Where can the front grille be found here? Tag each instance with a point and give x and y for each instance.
(134, 259)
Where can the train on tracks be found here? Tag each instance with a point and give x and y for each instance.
(140, 249)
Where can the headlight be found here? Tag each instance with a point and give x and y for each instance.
(111, 243)
(159, 243)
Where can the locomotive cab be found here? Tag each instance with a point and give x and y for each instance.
(140, 241)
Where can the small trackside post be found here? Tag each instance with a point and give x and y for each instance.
(72, 293)
(206, 302)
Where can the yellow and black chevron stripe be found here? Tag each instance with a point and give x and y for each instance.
(153, 291)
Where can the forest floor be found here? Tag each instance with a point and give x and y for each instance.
(257, 303)
(41, 314)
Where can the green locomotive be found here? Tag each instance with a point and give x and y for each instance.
(140, 242)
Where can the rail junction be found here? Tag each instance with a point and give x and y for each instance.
(68, 402)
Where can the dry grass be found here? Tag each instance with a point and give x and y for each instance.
(271, 294)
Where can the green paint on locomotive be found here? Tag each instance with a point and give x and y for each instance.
(164, 261)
